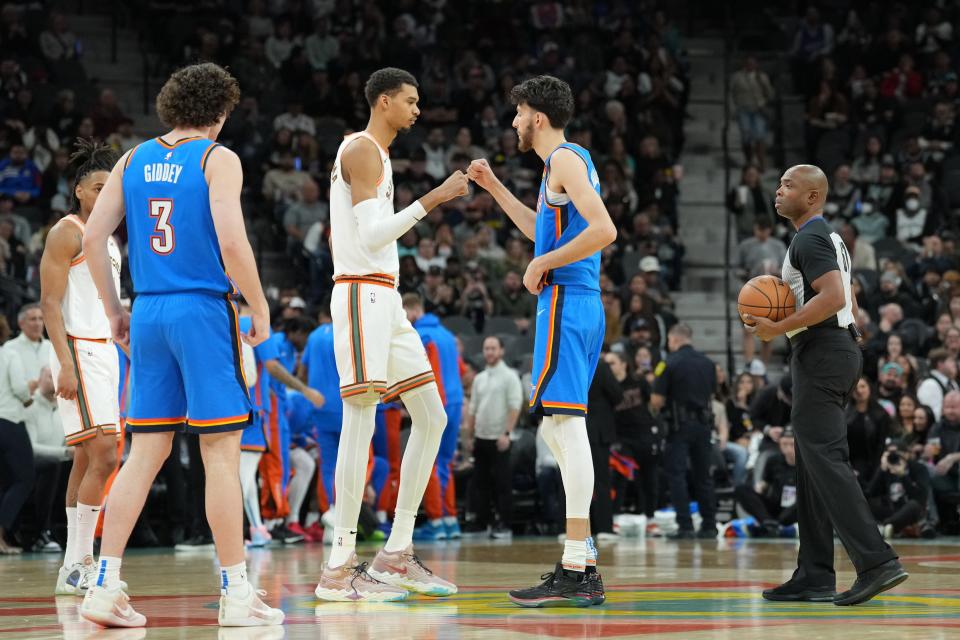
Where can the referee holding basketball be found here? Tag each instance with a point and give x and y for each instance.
(825, 365)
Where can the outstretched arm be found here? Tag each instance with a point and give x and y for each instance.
(523, 216)
(568, 170)
(360, 165)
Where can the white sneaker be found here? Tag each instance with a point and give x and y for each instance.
(89, 571)
(69, 580)
(248, 610)
(110, 608)
(329, 518)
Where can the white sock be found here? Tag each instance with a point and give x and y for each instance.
(312, 517)
(350, 477)
(575, 555)
(401, 535)
(450, 520)
(71, 553)
(381, 516)
(303, 466)
(437, 522)
(428, 422)
(87, 516)
(344, 544)
(592, 553)
(233, 579)
(109, 574)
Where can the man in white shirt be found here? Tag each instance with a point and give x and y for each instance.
(49, 453)
(495, 402)
(32, 348)
(15, 452)
(942, 380)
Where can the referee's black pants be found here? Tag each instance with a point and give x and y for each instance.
(825, 365)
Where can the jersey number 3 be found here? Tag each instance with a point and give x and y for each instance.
(162, 240)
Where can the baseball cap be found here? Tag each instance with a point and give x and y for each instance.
(757, 368)
(649, 263)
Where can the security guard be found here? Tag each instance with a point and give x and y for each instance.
(681, 392)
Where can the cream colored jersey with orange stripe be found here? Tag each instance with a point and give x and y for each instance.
(350, 256)
(82, 310)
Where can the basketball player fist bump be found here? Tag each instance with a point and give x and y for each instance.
(480, 172)
(455, 186)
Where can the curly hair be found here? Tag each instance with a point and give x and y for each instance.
(550, 96)
(388, 81)
(196, 96)
(89, 156)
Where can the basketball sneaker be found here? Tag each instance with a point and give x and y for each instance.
(352, 583)
(453, 530)
(405, 570)
(595, 584)
(560, 588)
(110, 608)
(68, 580)
(296, 529)
(247, 610)
(430, 532)
(259, 536)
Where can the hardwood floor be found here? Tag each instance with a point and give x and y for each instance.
(656, 588)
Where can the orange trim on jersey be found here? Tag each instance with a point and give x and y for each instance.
(176, 144)
(78, 260)
(219, 421)
(364, 134)
(75, 219)
(409, 384)
(550, 338)
(381, 279)
(379, 389)
(130, 157)
(359, 320)
(236, 325)
(206, 154)
(82, 386)
(564, 405)
(556, 217)
(86, 434)
(98, 340)
(150, 422)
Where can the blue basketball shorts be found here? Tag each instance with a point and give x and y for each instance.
(185, 369)
(570, 329)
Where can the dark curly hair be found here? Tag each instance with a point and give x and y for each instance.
(196, 96)
(89, 156)
(388, 81)
(550, 96)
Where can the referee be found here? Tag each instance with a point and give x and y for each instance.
(826, 363)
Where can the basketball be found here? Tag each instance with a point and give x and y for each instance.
(766, 297)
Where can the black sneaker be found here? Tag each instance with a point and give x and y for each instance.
(872, 583)
(196, 543)
(791, 591)
(595, 586)
(560, 588)
(45, 543)
(284, 535)
(682, 534)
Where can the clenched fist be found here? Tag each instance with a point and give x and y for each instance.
(480, 172)
(455, 186)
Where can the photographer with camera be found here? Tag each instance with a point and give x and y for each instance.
(899, 490)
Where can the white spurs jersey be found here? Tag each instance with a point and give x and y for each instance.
(350, 256)
(82, 309)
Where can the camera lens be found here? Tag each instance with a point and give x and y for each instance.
(894, 458)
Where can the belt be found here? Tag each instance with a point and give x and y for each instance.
(380, 279)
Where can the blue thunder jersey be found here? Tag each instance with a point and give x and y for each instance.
(558, 224)
(320, 360)
(286, 355)
(172, 242)
(432, 332)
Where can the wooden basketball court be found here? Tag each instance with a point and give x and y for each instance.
(656, 588)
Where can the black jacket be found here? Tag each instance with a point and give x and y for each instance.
(605, 394)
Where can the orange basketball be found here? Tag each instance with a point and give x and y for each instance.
(766, 297)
